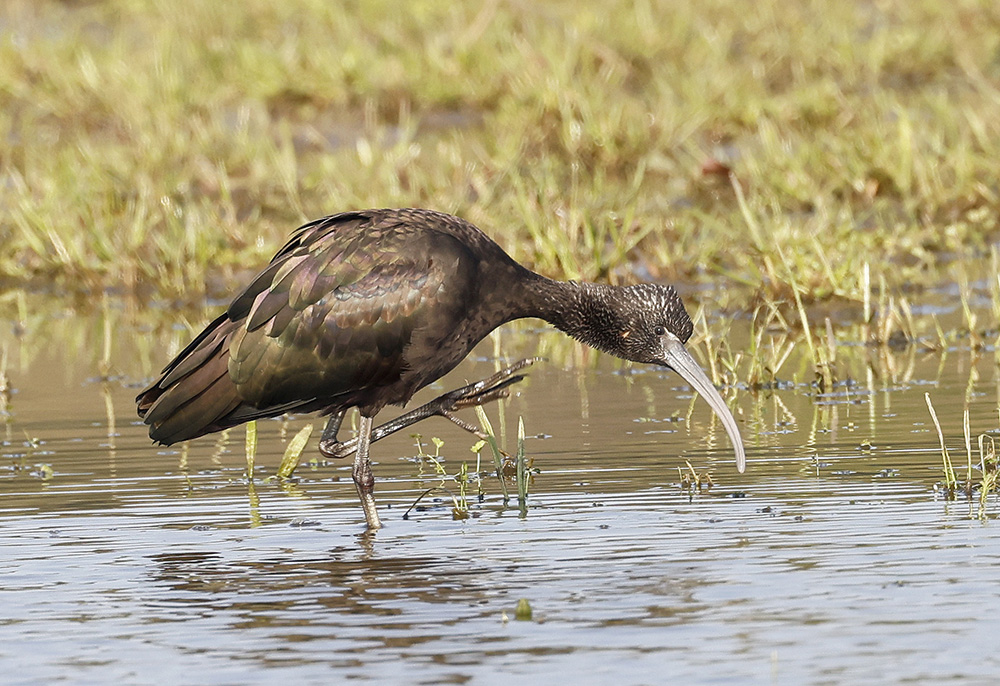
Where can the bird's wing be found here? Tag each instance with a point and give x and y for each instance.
(334, 311)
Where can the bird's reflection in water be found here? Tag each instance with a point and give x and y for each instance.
(288, 590)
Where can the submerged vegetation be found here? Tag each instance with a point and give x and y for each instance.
(504, 468)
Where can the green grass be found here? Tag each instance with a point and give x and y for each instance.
(460, 501)
(976, 488)
(167, 148)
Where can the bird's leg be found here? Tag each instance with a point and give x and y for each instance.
(329, 446)
(479, 393)
(364, 478)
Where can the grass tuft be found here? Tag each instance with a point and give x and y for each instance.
(163, 149)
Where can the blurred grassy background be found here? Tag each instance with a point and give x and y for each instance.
(167, 147)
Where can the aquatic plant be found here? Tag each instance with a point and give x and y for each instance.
(460, 502)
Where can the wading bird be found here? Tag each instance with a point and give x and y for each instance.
(362, 309)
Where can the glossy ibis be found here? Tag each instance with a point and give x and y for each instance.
(362, 309)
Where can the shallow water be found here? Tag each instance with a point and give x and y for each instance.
(831, 560)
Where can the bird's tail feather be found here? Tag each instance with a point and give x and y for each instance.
(194, 395)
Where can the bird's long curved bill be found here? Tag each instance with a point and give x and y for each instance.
(679, 359)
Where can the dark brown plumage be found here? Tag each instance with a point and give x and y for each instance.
(362, 309)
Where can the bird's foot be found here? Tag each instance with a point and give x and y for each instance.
(489, 389)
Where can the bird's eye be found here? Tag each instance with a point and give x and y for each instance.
(659, 331)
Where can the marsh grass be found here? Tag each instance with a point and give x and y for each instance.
(522, 470)
(989, 465)
(164, 149)
(692, 481)
(977, 489)
(460, 501)
(289, 459)
(491, 441)
(844, 343)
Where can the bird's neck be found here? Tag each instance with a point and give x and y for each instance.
(571, 306)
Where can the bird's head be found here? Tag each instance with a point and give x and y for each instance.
(634, 322)
(648, 323)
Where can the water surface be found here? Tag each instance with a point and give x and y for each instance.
(832, 560)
